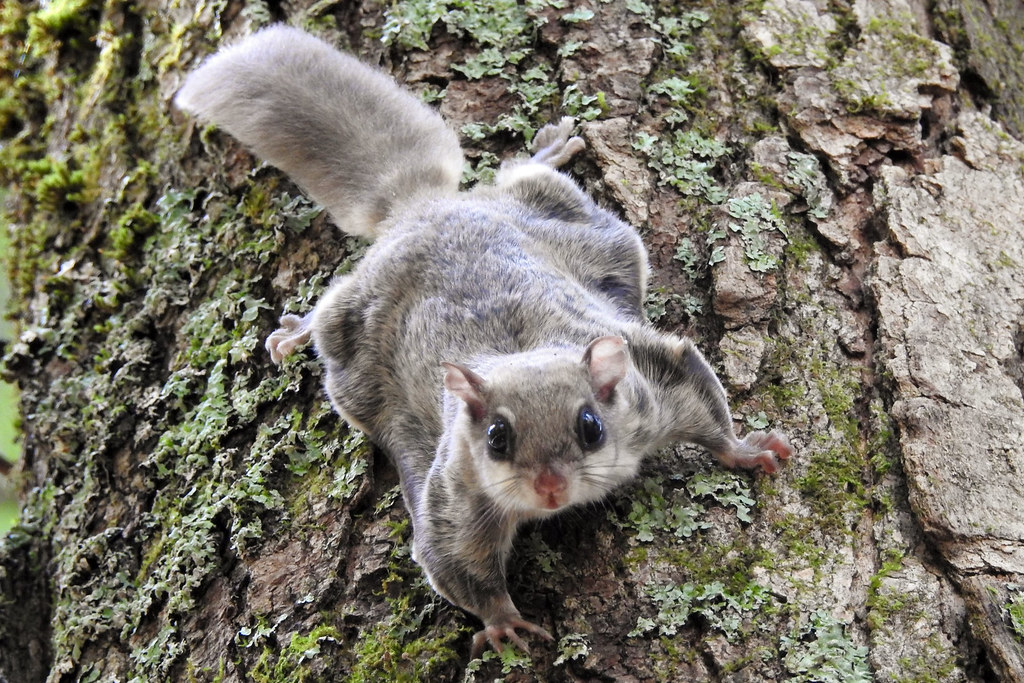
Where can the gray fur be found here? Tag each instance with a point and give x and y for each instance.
(523, 299)
(345, 132)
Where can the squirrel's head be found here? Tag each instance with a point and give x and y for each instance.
(543, 428)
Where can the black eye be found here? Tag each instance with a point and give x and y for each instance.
(589, 429)
(499, 438)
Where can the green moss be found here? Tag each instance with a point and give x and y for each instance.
(800, 246)
(292, 663)
(833, 485)
(898, 616)
(949, 25)
(785, 395)
(837, 479)
(134, 224)
(637, 556)
(54, 183)
(392, 650)
(178, 399)
(205, 675)
(765, 177)
(934, 664)
(60, 20)
(839, 386)
(405, 645)
(882, 603)
(889, 53)
(197, 480)
(803, 40)
(1015, 612)
(64, 181)
(1004, 260)
(882, 446)
(860, 102)
(802, 539)
(918, 53)
(733, 564)
(9, 406)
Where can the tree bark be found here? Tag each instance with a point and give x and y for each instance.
(832, 198)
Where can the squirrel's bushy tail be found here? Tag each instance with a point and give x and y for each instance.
(345, 132)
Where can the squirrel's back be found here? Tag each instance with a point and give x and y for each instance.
(458, 280)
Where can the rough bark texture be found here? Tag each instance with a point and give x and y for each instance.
(833, 201)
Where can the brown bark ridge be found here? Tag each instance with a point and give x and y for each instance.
(832, 197)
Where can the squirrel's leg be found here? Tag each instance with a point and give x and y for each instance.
(553, 146)
(473, 578)
(293, 333)
(691, 405)
(462, 544)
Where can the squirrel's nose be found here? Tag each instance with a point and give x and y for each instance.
(548, 482)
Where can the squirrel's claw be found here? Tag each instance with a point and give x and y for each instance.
(505, 629)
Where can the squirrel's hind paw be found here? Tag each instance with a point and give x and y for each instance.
(552, 145)
(293, 333)
(497, 632)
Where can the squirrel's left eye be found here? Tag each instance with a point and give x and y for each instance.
(589, 429)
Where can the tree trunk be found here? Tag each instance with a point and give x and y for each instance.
(833, 202)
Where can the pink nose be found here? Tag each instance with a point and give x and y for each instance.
(549, 483)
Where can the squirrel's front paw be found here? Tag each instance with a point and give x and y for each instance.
(504, 629)
(552, 145)
(758, 449)
(294, 332)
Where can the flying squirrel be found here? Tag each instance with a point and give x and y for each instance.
(491, 342)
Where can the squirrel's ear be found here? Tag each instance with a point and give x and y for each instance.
(607, 361)
(468, 386)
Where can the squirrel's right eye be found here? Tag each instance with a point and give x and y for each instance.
(590, 429)
(499, 438)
